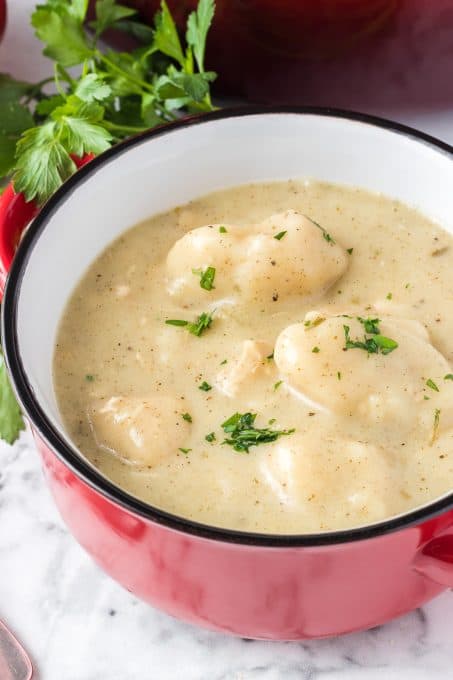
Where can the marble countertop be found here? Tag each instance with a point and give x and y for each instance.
(77, 624)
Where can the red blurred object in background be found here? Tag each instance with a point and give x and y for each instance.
(253, 39)
(2, 17)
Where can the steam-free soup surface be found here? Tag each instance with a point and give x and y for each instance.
(311, 387)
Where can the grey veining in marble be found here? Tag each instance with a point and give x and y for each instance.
(77, 624)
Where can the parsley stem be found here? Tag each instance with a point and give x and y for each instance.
(111, 64)
(123, 128)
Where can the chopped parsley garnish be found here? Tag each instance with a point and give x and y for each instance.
(315, 350)
(222, 230)
(426, 398)
(89, 377)
(270, 356)
(176, 322)
(272, 421)
(280, 235)
(349, 250)
(389, 296)
(206, 277)
(225, 361)
(432, 385)
(277, 384)
(372, 345)
(449, 376)
(370, 325)
(185, 451)
(210, 437)
(205, 387)
(435, 425)
(338, 375)
(243, 433)
(196, 327)
(187, 416)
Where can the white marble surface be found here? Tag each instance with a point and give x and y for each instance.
(77, 624)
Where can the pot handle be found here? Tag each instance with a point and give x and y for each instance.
(435, 560)
(15, 215)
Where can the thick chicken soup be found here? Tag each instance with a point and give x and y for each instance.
(273, 358)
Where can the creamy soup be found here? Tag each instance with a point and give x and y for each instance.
(273, 357)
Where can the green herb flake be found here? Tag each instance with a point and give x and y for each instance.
(327, 237)
(277, 384)
(89, 377)
(205, 387)
(388, 296)
(185, 451)
(210, 437)
(176, 322)
(196, 327)
(449, 376)
(206, 277)
(187, 416)
(315, 350)
(280, 235)
(426, 398)
(350, 250)
(272, 421)
(222, 230)
(430, 383)
(243, 434)
(225, 361)
(339, 375)
(270, 357)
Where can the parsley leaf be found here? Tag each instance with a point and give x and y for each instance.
(205, 387)
(222, 230)
(430, 383)
(198, 25)
(206, 277)
(377, 343)
(107, 13)
(210, 437)
(92, 88)
(166, 37)
(196, 327)
(244, 434)
(325, 234)
(449, 376)
(185, 451)
(280, 235)
(11, 421)
(60, 28)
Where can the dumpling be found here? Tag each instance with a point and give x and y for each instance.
(140, 431)
(287, 254)
(333, 482)
(401, 382)
(239, 371)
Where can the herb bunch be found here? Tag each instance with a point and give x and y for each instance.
(115, 95)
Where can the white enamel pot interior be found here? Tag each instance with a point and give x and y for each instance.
(165, 168)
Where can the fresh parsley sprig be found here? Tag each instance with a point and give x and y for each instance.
(117, 94)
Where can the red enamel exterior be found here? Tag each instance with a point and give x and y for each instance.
(273, 593)
(279, 590)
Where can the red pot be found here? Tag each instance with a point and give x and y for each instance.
(2, 17)
(253, 585)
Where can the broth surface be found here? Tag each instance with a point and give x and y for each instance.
(373, 430)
